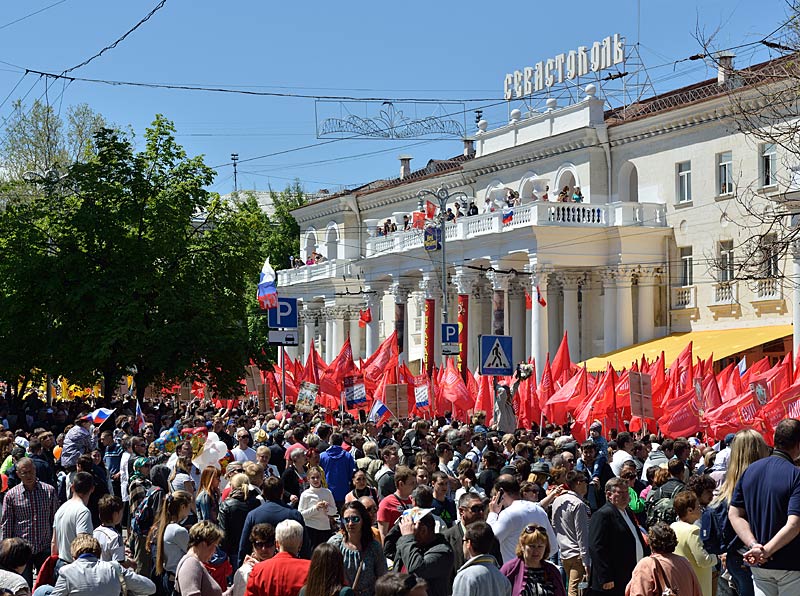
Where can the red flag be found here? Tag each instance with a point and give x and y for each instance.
(485, 399)
(430, 210)
(566, 400)
(528, 300)
(546, 388)
(315, 367)
(375, 366)
(540, 298)
(732, 416)
(364, 317)
(604, 395)
(682, 421)
(341, 367)
(527, 402)
(784, 405)
(388, 378)
(562, 364)
(453, 388)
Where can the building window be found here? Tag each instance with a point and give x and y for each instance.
(726, 260)
(685, 182)
(687, 274)
(770, 257)
(725, 173)
(769, 162)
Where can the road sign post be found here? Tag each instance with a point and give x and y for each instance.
(450, 339)
(496, 355)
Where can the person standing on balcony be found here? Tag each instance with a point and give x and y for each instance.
(473, 208)
(563, 196)
(577, 196)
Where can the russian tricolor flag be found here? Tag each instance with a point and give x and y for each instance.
(508, 216)
(379, 413)
(267, 292)
(99, 416)
(139, 423)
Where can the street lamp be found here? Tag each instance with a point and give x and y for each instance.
(442, 196)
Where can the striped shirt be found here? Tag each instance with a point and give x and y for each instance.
(29, 514)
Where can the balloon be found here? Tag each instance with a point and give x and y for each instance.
(226, 459)
(212, 452)
(160, 444)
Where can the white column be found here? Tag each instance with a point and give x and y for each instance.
(355, 334)
(590, 315)
(796, 297)
(646, 282)
(329, 354)
(516, 321)
(309, 321)
(338, 331)
(539, 326)
(609, 311)
(572, 324)
(624, 308)
(374, 297)
(554, 330)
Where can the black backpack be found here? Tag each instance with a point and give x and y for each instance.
(660, 505)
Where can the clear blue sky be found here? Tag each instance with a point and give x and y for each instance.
(448, 50)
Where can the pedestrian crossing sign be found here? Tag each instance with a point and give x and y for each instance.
(496, 355)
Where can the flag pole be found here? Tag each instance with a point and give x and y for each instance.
(283, 378)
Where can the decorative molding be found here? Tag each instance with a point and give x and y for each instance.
(430, 286)
(400, 291)
(499, 281)
(465, 280)
(571, 280)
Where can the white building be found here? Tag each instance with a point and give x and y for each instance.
(647, 254)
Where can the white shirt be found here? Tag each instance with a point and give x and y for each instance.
(620, 457)
(111, 545)
(71, 519)
(244, 455)
(635, 531)
(511, 522)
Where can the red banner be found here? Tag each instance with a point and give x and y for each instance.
(463, 334)
(430, 322)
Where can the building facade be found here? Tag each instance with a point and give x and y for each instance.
(668, 189)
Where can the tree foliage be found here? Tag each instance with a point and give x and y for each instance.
(130, 263)
(37, 139)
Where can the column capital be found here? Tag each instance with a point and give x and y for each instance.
(334, 312)
(465, 280)
(430, 286)
(609, 276)
(624, 275)
(400, 291)
(539, 274)
(570, 280)
(500, 281)
(647, 274)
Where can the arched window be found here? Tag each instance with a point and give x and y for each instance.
(309, 244)
(628, 183)
(332, 242)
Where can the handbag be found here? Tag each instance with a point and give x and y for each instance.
(663, 589)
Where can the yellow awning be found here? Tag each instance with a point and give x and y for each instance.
(720, 342)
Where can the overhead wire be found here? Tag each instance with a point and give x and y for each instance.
(34, 13)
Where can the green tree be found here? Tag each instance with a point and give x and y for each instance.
(37, 139)
(144, 268)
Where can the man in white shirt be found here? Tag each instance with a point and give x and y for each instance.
(73, 517)
(243, 452)
(510, 514)
(624, 452)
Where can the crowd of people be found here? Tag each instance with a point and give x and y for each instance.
(304, 504)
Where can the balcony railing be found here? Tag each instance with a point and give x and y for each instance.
(684, 297)
(725, 292)
(769, 288)
(532, 214)
(327, 270)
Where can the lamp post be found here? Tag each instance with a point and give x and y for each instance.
(442, 196)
